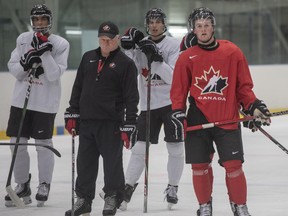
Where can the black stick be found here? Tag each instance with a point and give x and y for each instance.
(73, 170)
(12, 194)
(147, 136)
(268, 135)
(32, 144)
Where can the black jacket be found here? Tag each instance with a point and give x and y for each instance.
(114, 92)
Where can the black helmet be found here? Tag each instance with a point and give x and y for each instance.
(155, 13)
(41, 10)
(200, 13)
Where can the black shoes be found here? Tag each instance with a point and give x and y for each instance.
(110, 206)
(42, 194)
(81, 207)
(171, 195)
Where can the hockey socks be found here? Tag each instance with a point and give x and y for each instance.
(236, 181)
(202, 182)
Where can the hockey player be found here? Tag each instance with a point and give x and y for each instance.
(104, 92)
(50, 52)
(188, 40)
(212, 59)
(162, 51)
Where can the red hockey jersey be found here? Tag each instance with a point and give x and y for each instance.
(219, 80)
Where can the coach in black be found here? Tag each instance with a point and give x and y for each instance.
(104, 100)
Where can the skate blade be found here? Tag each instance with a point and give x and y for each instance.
(170, 205)
(123, 206)
(85, 214)
(40, 203)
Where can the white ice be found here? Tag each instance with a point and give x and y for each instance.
(266, 169)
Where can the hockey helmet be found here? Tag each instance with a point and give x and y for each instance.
(41, 10)
(200, 13)
(155, 13)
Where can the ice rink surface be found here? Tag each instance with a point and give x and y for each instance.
(266, 169)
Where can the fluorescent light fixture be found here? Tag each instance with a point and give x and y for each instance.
(177, 31)
(73, 32)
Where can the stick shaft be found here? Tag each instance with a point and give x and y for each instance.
(232, 121)
(147, 138)
(12, 194)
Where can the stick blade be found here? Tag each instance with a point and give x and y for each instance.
(13, 196)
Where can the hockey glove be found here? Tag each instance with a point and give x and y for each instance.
(72, 121)
(152, 52)
(188, 40)
(41, 43)
(129, 135)
(259, 110)
(179, 126)
(29, 58)
(131, 37)
(249, 124)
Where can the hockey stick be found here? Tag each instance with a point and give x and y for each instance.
(269, 136)
(232, 121)
(12, 194)
(32, 144)
(73, 169)
(273, 140)
(147, 136)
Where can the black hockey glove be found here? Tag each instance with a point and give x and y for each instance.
(131, 37)
(152, 52)
(41, 43)
(259, 110)
(29, 58)
(72, 121)
(178, 125)
(188, 40)
(129, 135)
(249, 124)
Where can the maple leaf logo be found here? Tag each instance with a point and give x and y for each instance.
(211, 82)
(145, 72)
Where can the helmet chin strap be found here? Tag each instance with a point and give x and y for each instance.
(148, 32)
(204, 42)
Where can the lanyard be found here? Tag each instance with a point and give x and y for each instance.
(100, 66)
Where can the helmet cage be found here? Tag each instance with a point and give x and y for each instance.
(200, 13)
(38, 11)
(155, 13)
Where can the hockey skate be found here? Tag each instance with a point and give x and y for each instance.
(129, 190)
(81, 207)
(205, 209)
(239, 210)
(42, 194)
(127, 196)
(110, 206)
(23, 191)
(171, 195)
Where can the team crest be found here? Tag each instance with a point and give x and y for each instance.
(211, 82)
(106, 28)
(153, 76)
(112, 65)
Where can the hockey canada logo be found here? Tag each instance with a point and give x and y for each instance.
(153, 76)
(211, 82)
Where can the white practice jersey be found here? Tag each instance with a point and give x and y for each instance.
(46, 89)
(161, 73)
